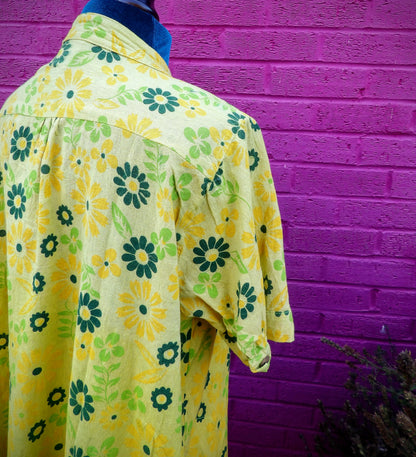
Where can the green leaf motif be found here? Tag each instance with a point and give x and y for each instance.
(81, 58)
(120, 222)
(199, 288)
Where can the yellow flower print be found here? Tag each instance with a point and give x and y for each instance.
(51, 173)
(83, 347)
(80, 161)
(106, 265)
(114, 74)
(71, 93)
(142, 68)
(228, 227)
(104, 157)
(89, 205)
(164, 203)
(251, 251)
(144, 441)
(226, 308)
(222, 141)
(176, 283)
(41, 106)
(67, 278)
(264, 188)
(22, 412)
(114, 417)
(44, 78)
(42, 218)
(192, 108)
(238, 153)
(21, 248)
(32, 374)
(189, 226)
(134, 126)
(142, 310)
(269, 229)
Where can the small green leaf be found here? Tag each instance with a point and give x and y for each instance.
(81, 58)
(108, 443)
(199, 288)
(126, 395)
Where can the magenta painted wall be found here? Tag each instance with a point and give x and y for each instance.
(332, 83)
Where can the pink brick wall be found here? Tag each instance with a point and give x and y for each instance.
(332, 83)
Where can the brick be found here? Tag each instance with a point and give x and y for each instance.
(195, 43)
(308, 394)
(335, 181)
(305, 267)
(404, 184)
(333, 374)
(241, 432)
(334, 298)
(221, 78)
(392, 84)
(254, 388)
(394, 14)
(282, 176)
(218, 13)
(21, 73)
(332, 240)
(326, 13)
(312, 147)
(39, 11)
(269, 45)
(395, 48)
(398, 244)
(388, 151)
(307, 321)
(395, 302)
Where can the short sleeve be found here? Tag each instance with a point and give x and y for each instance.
(231, 257)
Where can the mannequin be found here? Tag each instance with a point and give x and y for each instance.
(140, 17)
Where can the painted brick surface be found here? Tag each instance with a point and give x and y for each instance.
(332, 83)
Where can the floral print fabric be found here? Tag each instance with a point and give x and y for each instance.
(140, 241)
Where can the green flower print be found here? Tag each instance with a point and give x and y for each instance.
(72, 240)
(102, 54)
(109, 347)
(21, 143)
(4, 341)
(63, 52)
(268, 286)
(133, 186)
(209, 184)
(16, 201)
(38, 282)
(211, 254)
(202, 411)
(199, 145)
(65, 216)
(49, 245)
(168, 353)
(93, 27)
(140, 256)
(88, 313)
(245, 299)
(36, 431)
(254, 159)
(161, 398)
(56, 396)
(98, 129)
(160, 100)
(39, 321)
(235, 120)
(80, 401)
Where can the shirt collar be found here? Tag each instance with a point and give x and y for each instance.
(103, 31)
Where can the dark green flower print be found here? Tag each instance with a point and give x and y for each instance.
(38, 283)
(63, 52)
(39, 321)
(202, 412)
(21, 143)
(161, 398)
(4, 341)
(140, 257)
(254, 159)
(209, 184)
(224, 452)
(49, 245)
(235, 120)
(245, 299)
(211, 254)
(268, 286)
(57, 396)
(36, 431)
(16, 201)
(133, 186)
(102, 54)
(230, 338)
(77, 452)
(254, 125)
(80, 401)
(160, 100)
(168, 353)
(65, 216)
(184, 405)
(88, 313)
(185, 337)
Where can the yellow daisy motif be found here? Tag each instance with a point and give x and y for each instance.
(141, 127)
(152, 72)
(222, 141)
(114, 417)
(44, 78)
(190, 226)
(251, 251)
(103, 156)
(21, 248)
(176, 283)
(80, 161)
(269, 229)
(89, 205)
(142, 310)
(32, 374)
(42, 106)
(114, 74)
(42, 218)
(83, 346)
(67, 278)
(51, 173)
(227, 226)
(106, 265)
(264, 188)
(144, 441)
(164, 203)
(192, 107)
(71, 93)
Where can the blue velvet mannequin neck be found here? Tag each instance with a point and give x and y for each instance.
(143, 24)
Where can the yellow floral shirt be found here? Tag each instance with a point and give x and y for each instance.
(140, 240)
